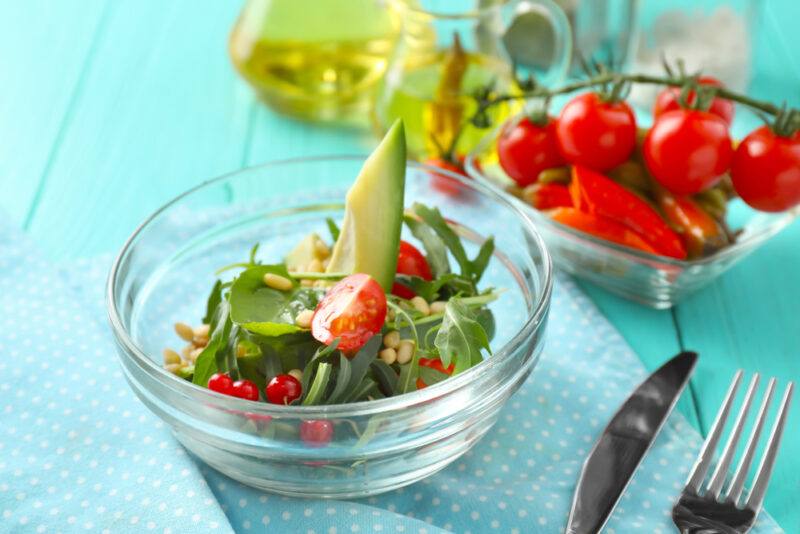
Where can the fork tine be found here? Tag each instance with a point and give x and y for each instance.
(737, 485)
(721, 471)
(707, 452)
(756, 498)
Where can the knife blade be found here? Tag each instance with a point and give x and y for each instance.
(612, 461)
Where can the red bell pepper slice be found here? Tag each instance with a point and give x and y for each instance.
(596, 194)
(701, 233)
(547, 196)
(607, 229)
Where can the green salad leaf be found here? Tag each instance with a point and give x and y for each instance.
(213, 358)
(266, 311)
(460, 337)
(333, 229)
(213, 302)
(435, 249)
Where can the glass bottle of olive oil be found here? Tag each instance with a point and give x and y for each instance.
(318, 60)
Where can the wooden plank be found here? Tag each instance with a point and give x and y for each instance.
(160, 110)
(43, 48)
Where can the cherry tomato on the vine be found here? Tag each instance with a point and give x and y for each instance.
(316, 433)
(594, 133)
(766, 170)
(353, 310)
(688, 151)
(525, 149)
(411, 262)
(245, 389)
(669, 100)
(221, 383)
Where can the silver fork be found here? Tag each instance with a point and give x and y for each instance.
(703, 508)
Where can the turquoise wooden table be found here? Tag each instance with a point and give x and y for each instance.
(110, 108)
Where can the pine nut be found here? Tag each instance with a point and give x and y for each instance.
(321, 284)
(405, 351)
(306, 283)
(173, 367)
(297, 373)
(195, 354)
(421, 305)
(202, 330)
(185, 331)
(392, 339)
(170, 356)
(241, 350)
(185, 351)
(321, 248)
(303, 319)
(315, 266)
(389, 356)
(278, 282)
(438, 306)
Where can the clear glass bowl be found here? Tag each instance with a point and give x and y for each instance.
(655, 281)
(166, 269)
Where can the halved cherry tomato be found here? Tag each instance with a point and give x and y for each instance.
(353, 310)
(442, 182)
(525, 149)
(700, 232)
(688, 151)
(547, 196)
(434, 363)
(669, 100)
(601, 227)
(410, 261)
(766, 170)
(594, 133)
(596, 194)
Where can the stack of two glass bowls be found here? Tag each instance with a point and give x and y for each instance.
(166, 269)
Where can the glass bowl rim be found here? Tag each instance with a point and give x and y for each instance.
(427, 395)
(473, 170)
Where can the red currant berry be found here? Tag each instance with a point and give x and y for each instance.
(283, 389)
(316, 433)
(221, 383)
(245, 389)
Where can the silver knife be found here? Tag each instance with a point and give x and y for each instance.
(624, 442)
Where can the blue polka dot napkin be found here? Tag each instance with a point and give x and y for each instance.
(79, 453)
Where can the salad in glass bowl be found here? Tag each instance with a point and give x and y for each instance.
(359, 347)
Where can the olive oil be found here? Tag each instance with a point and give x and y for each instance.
(318, 60)
(430, 120)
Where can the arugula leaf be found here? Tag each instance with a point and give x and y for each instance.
(266, 311)
(213, 302)
(460, 337)
(435, 249)
(249, 366)
(385, 376)
(362, 390)
(485, 318)
(444, 286)
(410, 371)
(433, 218)
(431, 376)
(322, 354)
(333, 229)
(253, 252)
(343, 378)
(471, 269)
(481, 261)
(318, 387)
(208, 362)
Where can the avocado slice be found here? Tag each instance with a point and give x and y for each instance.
(373, 215)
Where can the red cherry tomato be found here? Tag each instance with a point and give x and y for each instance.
(601, 227)
(594, 133)
(353, 310)
(668, 100)
(316, 433)
(766, 170)
(434, 363)
(221, 383)
(526, 149)
(688, 151)
(283, 389)
(411, 262)
(442, 182)
(245, 389)
(548, 196)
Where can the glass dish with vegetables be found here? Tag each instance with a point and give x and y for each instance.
(650, 214)
(360, 347)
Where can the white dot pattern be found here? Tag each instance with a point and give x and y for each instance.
(79, 452)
